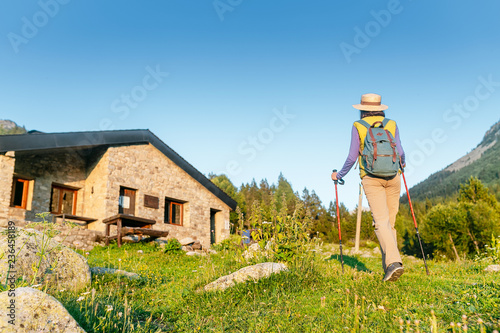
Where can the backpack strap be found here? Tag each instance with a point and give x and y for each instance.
(385, 122)
(364, 123)
(393, 146)
(367, 125)
(370, 133)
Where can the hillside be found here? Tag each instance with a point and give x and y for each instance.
(10, 127)
(483, 162)
(312, 296)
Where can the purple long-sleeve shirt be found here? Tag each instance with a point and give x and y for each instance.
(354, 152)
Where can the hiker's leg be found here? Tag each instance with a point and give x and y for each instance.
(393, 190)
(376, 194)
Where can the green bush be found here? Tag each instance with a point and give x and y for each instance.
(229, 244)
(491, 253)
(173, 246)
(462, 228)
(284, 236)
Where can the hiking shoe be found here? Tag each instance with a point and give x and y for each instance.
(393, 272)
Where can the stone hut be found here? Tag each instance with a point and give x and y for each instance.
(91, 176)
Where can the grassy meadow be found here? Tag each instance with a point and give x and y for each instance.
(312, 296)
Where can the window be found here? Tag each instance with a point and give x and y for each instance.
(20, 193)
(126, 202)
(173, 212)
(63, 200)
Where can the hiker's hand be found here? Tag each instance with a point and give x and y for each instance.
(334, 176)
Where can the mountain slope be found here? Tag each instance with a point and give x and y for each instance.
(483, 162)
(10, 127)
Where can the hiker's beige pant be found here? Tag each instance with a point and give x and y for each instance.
(383, 198)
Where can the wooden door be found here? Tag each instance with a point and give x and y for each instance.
(212, 226)
(127, 201)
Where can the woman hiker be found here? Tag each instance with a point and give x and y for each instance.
(381, 190)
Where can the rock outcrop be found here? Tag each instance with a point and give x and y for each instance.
(104, 270)
(41, 260)
(492, 268)
(255, 272)
(252, 251)
(34, 311)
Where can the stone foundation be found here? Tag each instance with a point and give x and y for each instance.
(74, 237)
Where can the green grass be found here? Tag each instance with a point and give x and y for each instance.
(167, 297)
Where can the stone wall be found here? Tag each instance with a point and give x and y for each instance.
(150, 172)
(64, 168)
(74, 237)
(96, 185)
(98, 175)
(7, 162)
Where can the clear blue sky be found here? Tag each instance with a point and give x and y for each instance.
(223, 70)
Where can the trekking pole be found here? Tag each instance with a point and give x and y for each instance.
(414, 219)
(341, 182)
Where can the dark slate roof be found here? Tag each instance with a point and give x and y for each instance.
(82, 140)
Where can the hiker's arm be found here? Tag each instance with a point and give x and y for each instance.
(353, 154)
(401, 152)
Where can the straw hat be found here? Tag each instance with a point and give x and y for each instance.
(371, 102)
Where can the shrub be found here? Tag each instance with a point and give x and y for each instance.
(491, 253)
(230, 244)
(285, 236)
(173, 246)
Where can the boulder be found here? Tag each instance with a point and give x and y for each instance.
(196, 253)
(255, 272)
(162, 241)
(252, 251)
(59, 266)
(493, 268)
(270, 245)
(35, 311)
(196, 246)
(104, 270)
(187, 241)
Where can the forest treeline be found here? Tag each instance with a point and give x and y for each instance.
(459, 225)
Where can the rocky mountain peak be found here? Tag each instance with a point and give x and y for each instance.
(7, 124)
(489, 140)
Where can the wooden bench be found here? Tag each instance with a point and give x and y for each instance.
(131, 225)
